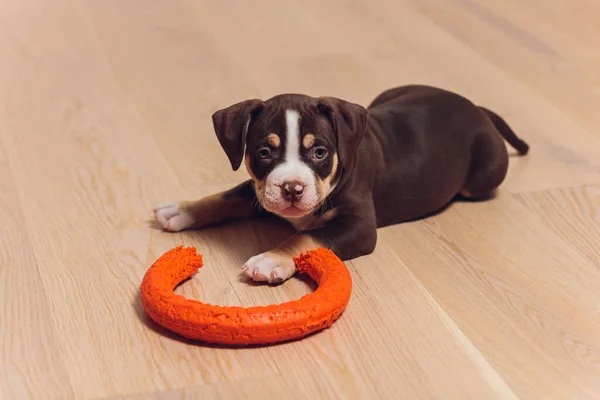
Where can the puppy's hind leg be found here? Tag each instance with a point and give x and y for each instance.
(489, 165)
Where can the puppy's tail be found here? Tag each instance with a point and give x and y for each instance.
(507, 133)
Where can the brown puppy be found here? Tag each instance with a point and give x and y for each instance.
(337, 171)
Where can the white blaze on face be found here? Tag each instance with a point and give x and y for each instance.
(291, 169)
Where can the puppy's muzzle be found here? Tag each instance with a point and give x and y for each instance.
(292, 190)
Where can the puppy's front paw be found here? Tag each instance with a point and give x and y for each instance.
(172, 218)
(270, 267)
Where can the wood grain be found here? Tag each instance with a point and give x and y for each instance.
(31, 360)
(521, 293)
(547, 42)
(570, 212)
(105, 112)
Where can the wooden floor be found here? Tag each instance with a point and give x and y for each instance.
(105, 111)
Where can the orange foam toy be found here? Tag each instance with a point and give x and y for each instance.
(195, 320)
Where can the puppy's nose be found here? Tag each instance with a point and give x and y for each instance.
(292, 190)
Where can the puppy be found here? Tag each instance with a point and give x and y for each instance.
(337, 171)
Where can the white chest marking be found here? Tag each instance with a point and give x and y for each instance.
(312, 221)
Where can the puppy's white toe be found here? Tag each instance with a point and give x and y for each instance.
(269, 268)
(172, 218)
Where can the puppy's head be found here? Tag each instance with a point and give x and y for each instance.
(296, 147)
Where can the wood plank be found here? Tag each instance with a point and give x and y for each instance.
(248, 389)
(144, 49)
(31, 359)
(573, 213)
(558, 45)
(502, 275)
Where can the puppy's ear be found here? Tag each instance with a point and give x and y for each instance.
(349, 122)
(231, 126)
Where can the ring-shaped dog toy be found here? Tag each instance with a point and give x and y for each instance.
(292, 320)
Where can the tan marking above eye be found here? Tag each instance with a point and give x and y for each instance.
(274, 140)
(308, 140)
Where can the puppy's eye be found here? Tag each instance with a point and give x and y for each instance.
(263, 153)
(320, 152)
